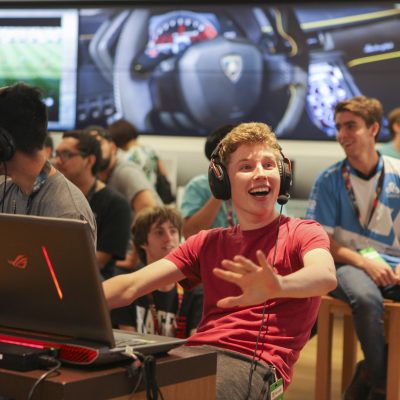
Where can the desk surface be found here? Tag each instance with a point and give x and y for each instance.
(180, 375)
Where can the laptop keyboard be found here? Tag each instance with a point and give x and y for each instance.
(129, 339)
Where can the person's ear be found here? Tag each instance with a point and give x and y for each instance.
(91, 159)
(375, 127)
(396, 127)
(144, 246)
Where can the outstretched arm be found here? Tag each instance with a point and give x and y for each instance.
(260, 283)
(121, 290)
(203, 218)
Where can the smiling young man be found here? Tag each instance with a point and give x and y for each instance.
(262, 278)
(170, 310)
(357, 201)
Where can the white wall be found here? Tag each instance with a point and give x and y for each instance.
(184, 156)
(310, 157)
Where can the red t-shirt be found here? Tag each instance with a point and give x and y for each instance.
(287, 322)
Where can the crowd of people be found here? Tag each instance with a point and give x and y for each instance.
(228, 269)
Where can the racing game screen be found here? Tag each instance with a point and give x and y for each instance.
(185, 70)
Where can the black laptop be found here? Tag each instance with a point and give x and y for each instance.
(51, 293)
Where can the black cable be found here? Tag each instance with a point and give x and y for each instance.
(45, 361)
(145, 368)
(253, 360)
(150, 377)
(136, 370)
(138, 382)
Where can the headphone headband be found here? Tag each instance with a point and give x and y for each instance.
(7, 145)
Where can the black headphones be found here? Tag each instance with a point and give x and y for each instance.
(221, 187)
(7, 146)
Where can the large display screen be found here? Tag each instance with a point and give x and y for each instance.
(39, 47)
(187, 69)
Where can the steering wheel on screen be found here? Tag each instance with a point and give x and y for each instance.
(206, 84)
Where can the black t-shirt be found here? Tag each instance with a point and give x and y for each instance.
(174, 318)
(113, 217)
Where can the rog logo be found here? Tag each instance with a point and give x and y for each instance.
(21, 262)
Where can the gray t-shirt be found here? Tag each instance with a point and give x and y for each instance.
(129, 180)
(57, 198)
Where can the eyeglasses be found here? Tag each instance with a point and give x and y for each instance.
(66, 155)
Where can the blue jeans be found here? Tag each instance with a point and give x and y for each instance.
(365, 298)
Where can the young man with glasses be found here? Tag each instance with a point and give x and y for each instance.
(78, 156)
(35, 187)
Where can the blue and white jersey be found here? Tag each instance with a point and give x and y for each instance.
(330, 204)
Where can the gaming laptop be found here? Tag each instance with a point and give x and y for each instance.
(51, 293)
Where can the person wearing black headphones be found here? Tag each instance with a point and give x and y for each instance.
(35, 187)
(262, 278)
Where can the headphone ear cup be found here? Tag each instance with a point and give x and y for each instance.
(7, 146)
(218, 180)
(285, 172)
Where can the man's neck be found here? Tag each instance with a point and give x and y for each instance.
(85, 183)
(24, 169)
(365, 163)
(250, 222)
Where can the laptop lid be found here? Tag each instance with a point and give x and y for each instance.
(49, 279)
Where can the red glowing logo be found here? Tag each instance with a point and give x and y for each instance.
(52, 273)
(21, 262)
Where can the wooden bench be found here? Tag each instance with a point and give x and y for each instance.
(330, 308)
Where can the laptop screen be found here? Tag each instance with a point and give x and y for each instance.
(49, 279)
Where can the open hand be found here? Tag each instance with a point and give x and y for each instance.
(258, 282)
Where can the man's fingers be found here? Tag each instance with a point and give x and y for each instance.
(239, 267)
(263, 260)
(229, 302)
(226, 275)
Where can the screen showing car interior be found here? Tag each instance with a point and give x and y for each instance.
(188, 69)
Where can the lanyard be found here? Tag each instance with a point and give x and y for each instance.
(153, 309)
(37, 185)
(350, 191)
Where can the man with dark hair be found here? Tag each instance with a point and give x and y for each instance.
(36, 187)
(357, 201)
(170, 310)
(122, 133)
(78, 157)
(126, 178)
(126, 138)
(24, 116)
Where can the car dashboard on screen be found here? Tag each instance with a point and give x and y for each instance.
(185, 70)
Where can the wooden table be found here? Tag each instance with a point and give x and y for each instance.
(180, 376)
